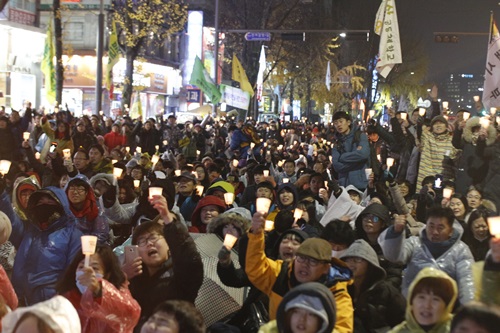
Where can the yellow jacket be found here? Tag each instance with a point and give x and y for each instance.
(274, 278)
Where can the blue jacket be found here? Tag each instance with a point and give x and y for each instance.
(349, 158)
(42, 255)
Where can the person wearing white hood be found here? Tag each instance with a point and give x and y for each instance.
(56, 315)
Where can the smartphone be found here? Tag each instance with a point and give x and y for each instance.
(131, 252)
(53, 147)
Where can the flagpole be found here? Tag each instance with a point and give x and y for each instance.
(216, 56)
(99, 53)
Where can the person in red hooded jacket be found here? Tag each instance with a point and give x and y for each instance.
(208, 208)
(100, 293)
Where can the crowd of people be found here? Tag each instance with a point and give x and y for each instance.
(374, 225)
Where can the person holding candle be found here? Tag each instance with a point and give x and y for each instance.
(438, 246)
(169, 266)
(99, 163)
(263, 190)
(37, 267)
(471, 167)
(83, 204)
(476, 234)
(288, 172)
(61, 135)
(186, 197)
(100, 293)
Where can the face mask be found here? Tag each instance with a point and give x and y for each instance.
(337, 254)
(46, 213)
(81, 287)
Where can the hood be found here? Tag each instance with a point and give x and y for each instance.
(239, 222)
(361, 249)
(291, 188)
(107, 178)
(55, 193)
(90, 208)
(354, 188)
(19, 185)
(432, 273)
(206, 201)
(314, 297)
(376, 209)
(473, 122)
(221, 185)
(58, 313)
(276, 247)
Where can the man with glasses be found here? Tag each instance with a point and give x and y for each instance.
(313, 263)
(80, 165)
(168, 267)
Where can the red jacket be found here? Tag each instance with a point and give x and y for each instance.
(112, 139)
(115, 311)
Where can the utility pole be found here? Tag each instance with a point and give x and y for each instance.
(216, 56)
(100, 47)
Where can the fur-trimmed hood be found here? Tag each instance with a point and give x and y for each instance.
(474, 122)
(239, 222)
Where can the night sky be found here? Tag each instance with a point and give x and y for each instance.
(467, 16)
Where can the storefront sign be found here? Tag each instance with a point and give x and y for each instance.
(193, 96)
(19, 16)
(235, 97)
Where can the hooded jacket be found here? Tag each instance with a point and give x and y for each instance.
(217, 224)
(456, 261)
(349, 158)
(472, 168)
(19, 185)
(379, 304)
(57, 313)
(197, 224)
(410, 325)
(43, 253)
(90, 219)
(290, 188)
(325, 310)
(275, 278)
(62, 143)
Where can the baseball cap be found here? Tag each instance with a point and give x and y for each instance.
(188, 175)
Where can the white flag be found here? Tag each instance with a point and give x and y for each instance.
(260, 75)
(491, 92)
(386, 26)
(328, 79)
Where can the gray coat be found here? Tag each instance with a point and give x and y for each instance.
(456, 261)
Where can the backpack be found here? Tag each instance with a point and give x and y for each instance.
(251, 133)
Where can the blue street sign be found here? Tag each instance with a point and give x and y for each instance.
(258, 36)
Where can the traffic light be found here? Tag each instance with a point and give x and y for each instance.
(446, 39)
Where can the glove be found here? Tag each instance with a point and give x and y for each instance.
(224, 256)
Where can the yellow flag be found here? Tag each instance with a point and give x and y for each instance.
(240, 76)
(113, 56)
(47, 65)
(136, 110)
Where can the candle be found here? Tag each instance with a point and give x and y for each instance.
(494, 225)
(389, 162)
(262, 205)
(101, 112)
(229, 198)
(493, 111)
(466, 115)
(155, 159)
(26, 136)
(157, 147)
(229, 241)
(137, 183)
(297, 214)
(403, 115)
(155, 191)
(368, 172)
(445, 105)
(5, 166)
(421, 112)
(476, 98)
(199, 190)
(114, 161)
(89, 244)
(138, 150)
(117, 172)
(37, 155)
(447, 192)
(286, 180)
(127, 149)
(197, 153)
(269, 225)
(177, 172)
(266, 173)
(165, 142)
(485, 123)
(280, 163)
(326, 184)
(67, 154)
(371, 113)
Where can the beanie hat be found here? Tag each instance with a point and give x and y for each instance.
(316, 248)
(361, 249)
(440, 119)
(5, 228)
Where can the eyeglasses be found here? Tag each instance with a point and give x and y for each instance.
(370, 217)
(356, 260)
(153, 239)
(310, 261)
(78, 190)
(477, 197)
